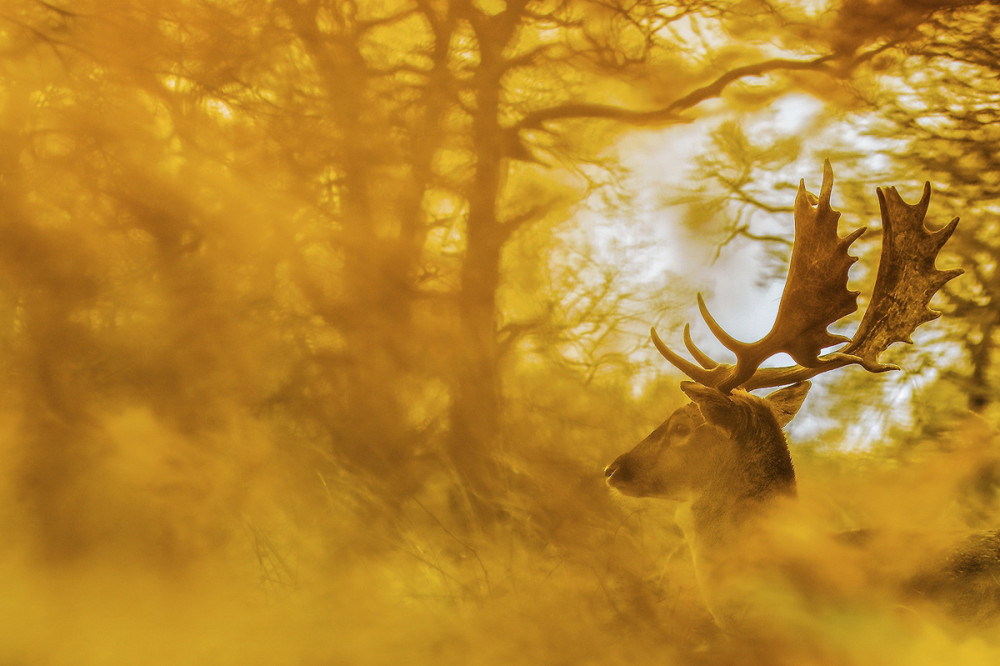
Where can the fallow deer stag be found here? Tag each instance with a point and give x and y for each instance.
(724, 454)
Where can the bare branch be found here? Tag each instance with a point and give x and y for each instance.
(670, 113)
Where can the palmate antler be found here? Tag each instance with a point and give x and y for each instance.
(816, 296)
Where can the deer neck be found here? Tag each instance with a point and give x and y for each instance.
(725, 526)
(719, 520)
(755, 473)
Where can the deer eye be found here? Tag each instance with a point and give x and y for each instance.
(681, 430)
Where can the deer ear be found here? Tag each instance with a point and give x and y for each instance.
(785, 402)
(715, 406)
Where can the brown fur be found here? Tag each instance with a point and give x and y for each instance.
(728, 446)
(726, 458)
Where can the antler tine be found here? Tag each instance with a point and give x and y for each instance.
(703, 376)
(703, 359)
(825, 188)
(728, 341)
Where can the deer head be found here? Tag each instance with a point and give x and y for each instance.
(731, 445)
(727, 444)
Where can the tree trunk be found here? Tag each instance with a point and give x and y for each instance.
(475, 405)
(981, 356)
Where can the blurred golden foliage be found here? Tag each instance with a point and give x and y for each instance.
(315, 346)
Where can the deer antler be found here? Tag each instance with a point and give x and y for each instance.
(816, 296)
(907, 278)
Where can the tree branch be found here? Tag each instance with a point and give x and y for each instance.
(715, 88)
(670, 113)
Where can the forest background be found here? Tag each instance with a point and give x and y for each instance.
(323, 317)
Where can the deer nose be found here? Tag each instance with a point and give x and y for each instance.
(611, 469)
